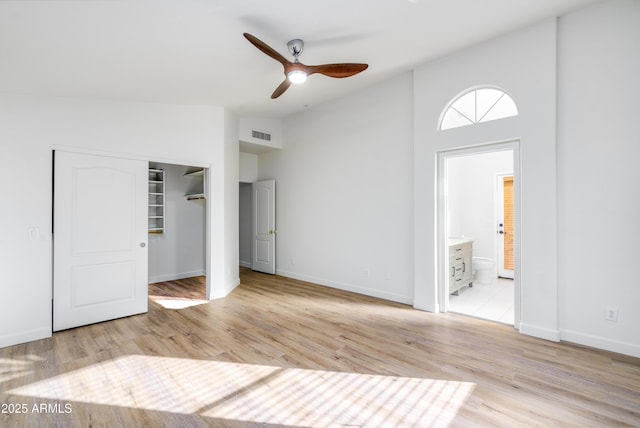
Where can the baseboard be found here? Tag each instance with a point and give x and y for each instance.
(224, 292)
(231, 286)
(540, 332)
(348, 287)
(176, 276)
(601, 343)
(245, 264)
(434, 309)
(25, 336)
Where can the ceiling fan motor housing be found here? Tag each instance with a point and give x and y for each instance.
(295, 47)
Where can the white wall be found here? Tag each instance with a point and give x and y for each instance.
(472, 199)
(230, 254)
(248, 167)
(33, 126)
(344, 192)
(523, 64)
(598, 175)
(273, 127)
(179, 252)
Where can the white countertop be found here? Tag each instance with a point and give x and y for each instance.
(457, 240)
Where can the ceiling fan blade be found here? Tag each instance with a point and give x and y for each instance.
(337, 70)
(281, 88)
(266, 49)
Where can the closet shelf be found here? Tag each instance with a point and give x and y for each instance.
(197, 192)
(193, 196)
(156, 201)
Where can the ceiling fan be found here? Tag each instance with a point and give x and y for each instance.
(297, 72)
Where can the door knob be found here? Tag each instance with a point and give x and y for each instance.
(272, 231)
(142, 245)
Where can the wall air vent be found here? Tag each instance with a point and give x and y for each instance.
(261, 135)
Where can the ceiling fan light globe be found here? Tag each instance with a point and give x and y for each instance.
(297, 76)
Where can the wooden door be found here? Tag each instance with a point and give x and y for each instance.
(263, 251)
(100, 238)
(506, 228)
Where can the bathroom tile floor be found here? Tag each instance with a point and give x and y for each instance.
(492, 302)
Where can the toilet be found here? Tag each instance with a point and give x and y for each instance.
(483, 270)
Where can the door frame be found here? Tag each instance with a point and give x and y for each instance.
(441, 225)
(195, 164)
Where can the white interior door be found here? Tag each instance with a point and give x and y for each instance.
(263, 251)
(100, 238)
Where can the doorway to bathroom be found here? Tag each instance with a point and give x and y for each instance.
(478, 217)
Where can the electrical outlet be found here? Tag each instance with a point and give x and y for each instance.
(611, 314)
(366, 273)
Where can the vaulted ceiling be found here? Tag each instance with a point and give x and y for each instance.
(193, 51)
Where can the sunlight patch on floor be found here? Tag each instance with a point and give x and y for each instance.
(176, 303)
(11, 369)
(257, 393)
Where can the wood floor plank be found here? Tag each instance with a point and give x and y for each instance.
(282, 352)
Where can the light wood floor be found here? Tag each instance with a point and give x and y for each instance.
(183, 289)
(280, 352)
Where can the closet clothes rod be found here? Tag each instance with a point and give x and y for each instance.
(195, 196)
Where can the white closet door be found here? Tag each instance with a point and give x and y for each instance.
(100, 239)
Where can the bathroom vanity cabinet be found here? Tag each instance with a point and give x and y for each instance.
(460, 259)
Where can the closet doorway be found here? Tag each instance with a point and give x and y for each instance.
(471, 202)
(177, 235)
